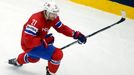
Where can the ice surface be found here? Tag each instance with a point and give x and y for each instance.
(108, 53)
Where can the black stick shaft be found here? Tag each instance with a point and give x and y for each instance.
(121, 20)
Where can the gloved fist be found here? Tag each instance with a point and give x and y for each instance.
(81, 38)
(48, 40)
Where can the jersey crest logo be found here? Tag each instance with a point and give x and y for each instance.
(45, 29)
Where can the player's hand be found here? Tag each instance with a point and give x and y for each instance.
(81, 37)
(48, 40)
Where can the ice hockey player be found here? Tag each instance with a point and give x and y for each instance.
(37, 43)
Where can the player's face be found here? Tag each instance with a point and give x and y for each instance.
(52, 16)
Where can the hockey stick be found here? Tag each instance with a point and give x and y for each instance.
(107, 27)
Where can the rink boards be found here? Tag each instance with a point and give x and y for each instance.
(109, 6)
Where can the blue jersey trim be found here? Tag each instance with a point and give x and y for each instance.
(30, 32)
(58, 24)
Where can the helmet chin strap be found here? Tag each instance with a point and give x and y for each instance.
(46, 14)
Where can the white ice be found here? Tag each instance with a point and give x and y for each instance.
(108, 53)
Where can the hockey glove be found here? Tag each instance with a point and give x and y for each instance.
(48, 40)
(81, 38)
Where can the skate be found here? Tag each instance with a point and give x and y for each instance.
(47, 73)
(14, 62)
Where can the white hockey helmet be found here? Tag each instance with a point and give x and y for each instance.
(51, 7)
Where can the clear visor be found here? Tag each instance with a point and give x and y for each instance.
(52, 15)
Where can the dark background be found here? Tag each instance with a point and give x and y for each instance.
(125, 2)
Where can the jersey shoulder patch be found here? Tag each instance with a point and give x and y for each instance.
(31, 30)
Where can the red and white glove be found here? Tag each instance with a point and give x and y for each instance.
(48, 40)
(80, 37)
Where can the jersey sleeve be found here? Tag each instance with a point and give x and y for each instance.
(61, 28)
(30, 32)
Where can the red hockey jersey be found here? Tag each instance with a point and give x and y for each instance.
(37, 27)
